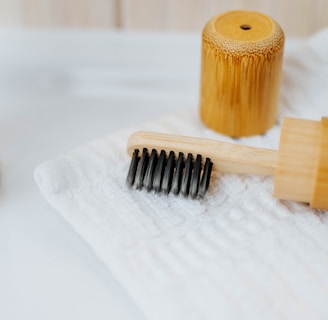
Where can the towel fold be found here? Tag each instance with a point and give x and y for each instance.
(237, 254)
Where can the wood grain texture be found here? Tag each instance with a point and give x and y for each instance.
(241, 69)
(297, 17)
(299, 167)
(145, 14)
(59, 13)
(226, 157)
(320, 189)
(297, 160)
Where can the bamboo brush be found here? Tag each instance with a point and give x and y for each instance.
(299, 167)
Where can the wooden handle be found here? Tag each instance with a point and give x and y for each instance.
(226, 157)
(302, 167)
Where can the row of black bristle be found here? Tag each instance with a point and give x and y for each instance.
(168, 173)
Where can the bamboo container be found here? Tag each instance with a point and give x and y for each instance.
(299, 167)
(242, 53)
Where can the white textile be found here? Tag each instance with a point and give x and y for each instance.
(237, 254)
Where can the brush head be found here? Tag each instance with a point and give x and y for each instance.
(167, 172)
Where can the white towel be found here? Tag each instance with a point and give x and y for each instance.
(237, 254)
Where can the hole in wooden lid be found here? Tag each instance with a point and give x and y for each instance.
(245, 27)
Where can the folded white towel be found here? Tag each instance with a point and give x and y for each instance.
(237, 254)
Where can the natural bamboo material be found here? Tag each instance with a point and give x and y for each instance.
(242, 54)
(302, 164)
(299, 167)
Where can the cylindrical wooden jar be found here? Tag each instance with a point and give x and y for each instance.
(242, 54)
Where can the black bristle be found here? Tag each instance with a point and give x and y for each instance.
(177, 176)
(133, 168)
(168, 173)
(205, 181)
(141, 170)
(185, 183)
(149, 175)
(158, 173)
(195, 178)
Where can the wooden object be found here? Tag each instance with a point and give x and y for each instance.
(299, 167)
(242, 54)
(302, 164)
(299, 18)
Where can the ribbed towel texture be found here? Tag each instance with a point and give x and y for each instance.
(237, 254)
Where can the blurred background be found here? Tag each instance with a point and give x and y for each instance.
(67, 77)
(297, 17)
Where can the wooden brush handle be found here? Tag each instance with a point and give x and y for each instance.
(300, 167)
(226, 157)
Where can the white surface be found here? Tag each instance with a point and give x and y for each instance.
(239, 246)
(59, 90)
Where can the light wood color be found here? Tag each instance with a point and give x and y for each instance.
(60, 13)
(320, 191)
(242, 55)
(226, 157)
(297, 17)
(302, 167)
(299, 167)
